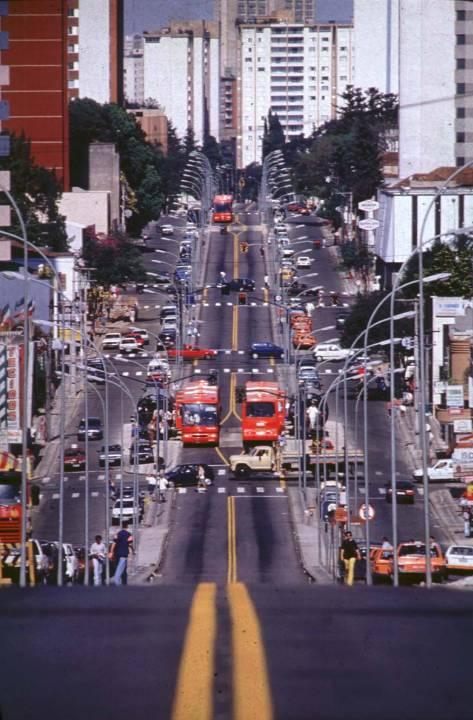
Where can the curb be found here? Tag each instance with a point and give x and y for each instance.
(317, 574)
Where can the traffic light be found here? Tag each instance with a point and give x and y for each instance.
(242, 298)
(212, 377)
(244, 247)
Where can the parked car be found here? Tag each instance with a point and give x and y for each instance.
(114, 455)
(144, 453)
(307, 373)
(330, 351)
(303, 261)
(441, 471)
(95, 429)
(341, 316)
(167, 230)
(184, 475)
(287, 252)
(405, 492)
(74, 458)
(129, 345)
(127, 509)
(168, 310)
(265, 349)
(111, 341)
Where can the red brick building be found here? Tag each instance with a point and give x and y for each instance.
(36, 55)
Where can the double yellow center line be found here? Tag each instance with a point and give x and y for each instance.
(231, 540)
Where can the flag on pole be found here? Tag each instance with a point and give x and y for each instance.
(31, 307)
(5, 316)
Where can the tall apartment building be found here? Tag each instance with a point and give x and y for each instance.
(302, 11)
(95, 47)
(297, 71)
(133, 70)
(181, 72)
(33, 47)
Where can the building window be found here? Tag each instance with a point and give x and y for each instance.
(460, 137)
(460, 161)
(461, 15)
(460, 88)
(460, 39)
(461, 112)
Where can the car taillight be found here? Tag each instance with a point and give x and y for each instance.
(410, 492)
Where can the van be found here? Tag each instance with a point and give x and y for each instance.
(168, 311)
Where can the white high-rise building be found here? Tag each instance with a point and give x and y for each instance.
(297, 71)
(181, 72)
(133, 79)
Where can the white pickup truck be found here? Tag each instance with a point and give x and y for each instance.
(442, 471)
(261, 458)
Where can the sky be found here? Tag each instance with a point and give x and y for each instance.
(151, 14)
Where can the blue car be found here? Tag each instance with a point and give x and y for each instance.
(266, 349)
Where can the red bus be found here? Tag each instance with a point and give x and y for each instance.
(10, 507)
(263, 412)
(198, 413)
(222, 211)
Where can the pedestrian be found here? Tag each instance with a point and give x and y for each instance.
(121, 547)
(112, 489)
(349, 554)
(466, 515)
(162, 485)
(151, 481)
(98, 553)
(261, 252)
(201, 483)
(266, 281)
(386, 545)
(223, 275)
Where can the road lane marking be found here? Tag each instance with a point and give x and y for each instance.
(94, 493)
(260, 489)
(241, 489)
(222, 490)
(181, 491)
(221, 456)
(194, 688)
(231, 398)
(235, 328)
(231, 540)
(221, 471)
(251, 688)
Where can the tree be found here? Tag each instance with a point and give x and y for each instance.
(211, 148)
(273, 135)
(115, 260)
(172, 166)
(36, 191)
(189, 141)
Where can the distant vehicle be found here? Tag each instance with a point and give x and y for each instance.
(304, 261)
(280, 229)
(412, 561)
(442, 471)
(143, 451)
(74, 458)
(129, 345)
(111, 341)
(168, 337)
(241, 285)
(341, 316)
(405, 492)
(168, 310)
(307, 373)
(169, 322)
(287, 252)
(140, 332)
(136, 336)
(304, 339)
(185, 475)
(125, 508)
(459, 558)
(299, 288)
(297, 208)
(114, 455)
(190, 352)
(158, 372)
(95, 429)
(167, 230)
(222, 210)
(266, 349)
(96, 370)
(161, 277)
(181, 274)
(260, 459)
(381, 564)
(198, 413)
(330, 351)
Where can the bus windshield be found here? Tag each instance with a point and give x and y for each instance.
(199, 414)
(259, 409)
(9, 494)
(222, 207)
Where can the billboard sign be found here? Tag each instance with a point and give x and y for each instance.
(455, 396)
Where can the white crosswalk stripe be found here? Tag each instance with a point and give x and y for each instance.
(241, 489)
(260, 489)
(55, 496)
(46, 480)
(181, 491)
(75, 495)
(221, 471)
(222, 490)
(382, 491)
(279, 489)
(94, 493)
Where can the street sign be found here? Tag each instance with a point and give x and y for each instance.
(368, 224)
(455, 396)
(366, 511)
(462, 426)
(368, 205)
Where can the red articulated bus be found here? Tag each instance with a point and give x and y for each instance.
(263, 412)
(222, 212)
(198, 413)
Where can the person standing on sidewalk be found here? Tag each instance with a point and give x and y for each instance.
(121, 547)
(349, 554)
(98, 554)
(162, 485)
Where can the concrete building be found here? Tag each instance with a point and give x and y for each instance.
(181, 73)
(95, 47)
(154, 124)
(33, 79)
(85, 208)
(104, 174)
(294, 70)
(133, 70)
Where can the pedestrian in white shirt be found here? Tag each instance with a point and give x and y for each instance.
(98, 553)
(163, 486)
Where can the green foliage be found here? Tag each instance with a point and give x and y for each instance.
(36, 191)
(348, 150)
(115, 259)
(211, 148)
(273, 136)
(454, 257)
(361, 311)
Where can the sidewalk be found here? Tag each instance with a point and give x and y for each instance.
(305, 521)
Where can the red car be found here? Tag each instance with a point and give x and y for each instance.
(189, 352)
(74, 459)
(137, 335)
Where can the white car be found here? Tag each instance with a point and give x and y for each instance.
(167, 230)
(303, 261)
(280, 229)
(125, 508)
(129, 345)
(330, 351)
(442, 471)
(459, 557)
(111, 341)
(169, 322)
(191, 226)
(287, 252)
